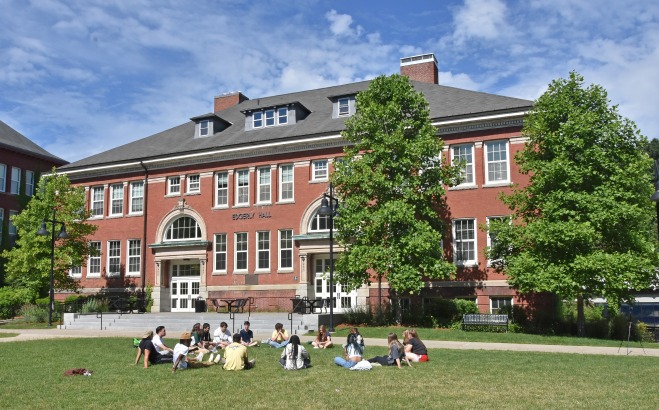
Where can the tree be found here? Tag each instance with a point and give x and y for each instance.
(653, 149)
(583, 226)
(391, 188)
(28, 263)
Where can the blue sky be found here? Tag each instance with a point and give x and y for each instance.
(81, 77)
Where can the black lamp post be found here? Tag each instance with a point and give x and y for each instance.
(62, 235)
(328, 208)
(655, 197)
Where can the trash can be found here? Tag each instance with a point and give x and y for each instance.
(200, 305)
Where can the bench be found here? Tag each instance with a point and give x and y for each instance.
(484, 321)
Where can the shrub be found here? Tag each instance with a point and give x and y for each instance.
(11, 300)
(93, 305)
(34, 313)
(45, 301)
(359, 315)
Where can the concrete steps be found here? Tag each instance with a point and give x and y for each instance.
(262, 324)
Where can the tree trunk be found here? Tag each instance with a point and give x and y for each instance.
(581, 319)
(380, 319)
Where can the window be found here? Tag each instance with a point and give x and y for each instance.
(117, 199)
(257, 120)
(203, 128)
(490, 238)
(222, 189)
(286, 249)
(114, 258)
(136, 197)
(183, 228)
(3, 177)
(134, 256)
(174, 185)
(241, 251)
(282, 116)
(12, 228)
(264, 184)
(15, 187)
(319, 170)
(269, 118)
(286, 183)
(465, 154)
(497, 304)
(263, 251)
(344, 106)
(242, 187)
(464, 232)
(2, 222)
(94, 264)
(29, 183)
(97, 201)
(496, 160)
(193, 183)
(75, 271)
(220, 252)
(319, 223)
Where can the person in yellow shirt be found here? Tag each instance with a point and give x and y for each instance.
(235, 356)
(279, 337)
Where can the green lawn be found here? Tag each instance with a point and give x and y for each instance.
(8, 334)
(32, 376)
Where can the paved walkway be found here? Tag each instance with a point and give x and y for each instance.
(634, 348)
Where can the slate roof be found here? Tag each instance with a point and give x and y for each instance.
(445, 103)
(15, 141)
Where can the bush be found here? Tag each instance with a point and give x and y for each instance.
(34, 313)
(45, 301)
(11, 300)
(359, 315)
(93, 305)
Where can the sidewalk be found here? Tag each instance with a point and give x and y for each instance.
(633, 350)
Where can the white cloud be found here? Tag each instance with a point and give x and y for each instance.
(480, 19)
(340, 24)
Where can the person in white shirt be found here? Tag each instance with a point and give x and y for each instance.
(159, 344)
(222, 337)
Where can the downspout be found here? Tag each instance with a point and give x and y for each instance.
(144, 212)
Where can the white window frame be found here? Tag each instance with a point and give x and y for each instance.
(269, 118)
(174, 185)
(13, 230)
(285, 248)
(3, 177)
(502, 218)
(501, 165)
(320, 170)
(241, 241)
(257, 119)
(134, 252)
(15, 187)
(187, 232)
(75, 271)
(286, 183)
(343, 102)
(220, 241)
(193, 184)
(94, 260)
(282, 116)
(97, 207)
(468, 170)
(319, 220)
(242, 187)
(204, 126)
(116, 199)
(264, 187)
(492, 299)
(458, 224)
(114, 259)
(29, 183)
(222, 191)
(136, 197)
(263, 251)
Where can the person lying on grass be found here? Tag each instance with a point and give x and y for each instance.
(147, 349)
(396, 353)
(181, 359)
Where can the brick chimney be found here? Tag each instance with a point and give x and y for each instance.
(420, 68)
(224, 101)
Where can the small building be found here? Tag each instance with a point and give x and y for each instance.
(226, 204)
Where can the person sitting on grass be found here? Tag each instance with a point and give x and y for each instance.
(222, 337)
(295, 356)
(181, 359)
(396, 353)
(323, 339)
(147, 349)
(160, 345)
(359, 338)
(247, 336)
(235, 356)
(415, 350)
(279, 337)
(353, 353)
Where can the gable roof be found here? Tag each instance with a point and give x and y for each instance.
(15, 141)
(446, 103)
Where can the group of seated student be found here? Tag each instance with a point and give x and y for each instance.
(396, 353)
(415, 350)
(235, 355)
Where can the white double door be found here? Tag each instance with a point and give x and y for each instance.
(343, 299)
(185, 286)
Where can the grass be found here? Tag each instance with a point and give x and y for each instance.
(452, 379)
(8, 334)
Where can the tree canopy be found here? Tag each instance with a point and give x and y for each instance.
(28, 263)
(391, 188)
(583, 227)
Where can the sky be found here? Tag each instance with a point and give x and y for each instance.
(82, 77)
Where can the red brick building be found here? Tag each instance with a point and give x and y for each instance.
(226, 204)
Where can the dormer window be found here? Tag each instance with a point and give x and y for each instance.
(203, 128)
(258, 119)
(208, 125)
(282, 115)
(274, 116)
(344, 106)
(269, 118)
